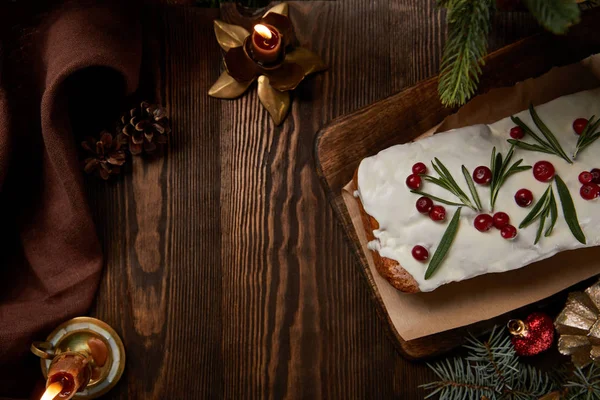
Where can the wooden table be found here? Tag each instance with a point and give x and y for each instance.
(227, 274)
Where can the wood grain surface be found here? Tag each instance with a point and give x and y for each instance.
(226, 272)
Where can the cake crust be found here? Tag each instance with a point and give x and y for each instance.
(390, 269)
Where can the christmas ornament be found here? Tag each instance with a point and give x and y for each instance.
(532, 336)
(267, 55)
(106, 157)
(578, 327)
(146, 128)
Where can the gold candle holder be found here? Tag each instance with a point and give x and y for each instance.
(84, 357)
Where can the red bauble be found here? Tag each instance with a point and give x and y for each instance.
(533, 335)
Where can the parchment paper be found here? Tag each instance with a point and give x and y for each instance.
(487, 296)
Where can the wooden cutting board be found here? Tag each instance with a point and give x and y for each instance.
(341, 145)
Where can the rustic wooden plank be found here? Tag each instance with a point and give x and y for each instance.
(227, 273)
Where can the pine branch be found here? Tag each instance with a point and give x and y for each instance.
(492, 369)
(468, 28)
(554, 15)
(584, 384)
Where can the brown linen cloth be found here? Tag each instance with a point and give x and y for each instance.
(78, 58)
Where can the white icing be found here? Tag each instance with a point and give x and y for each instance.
(356, 193)
(383, 192)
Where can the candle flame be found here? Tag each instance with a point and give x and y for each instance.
(263, 31)
(52, 391)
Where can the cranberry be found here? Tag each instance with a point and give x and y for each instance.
(508, 232)
(413, 181)
(420, 253)
(543, 171)
(595, 175)
(590, 191)
(585, 177)
(424, 205)
(524, 197)
(483, 222)
(579, 125)
(419, 168)
(517, 132)
(501, 219)
(482, 175)
(437, 213)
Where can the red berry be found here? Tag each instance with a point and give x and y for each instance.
(524, 197)
(585, 177)
(437, 213)
(543, 171)
(419, 168)
(501, 219)
(517, 132)
(420, 253)
(482, 175)
(590, 191)
(508, 232)
(595, 175)
(413, 181)
(579, 125)
(424, 205)
(483, 222)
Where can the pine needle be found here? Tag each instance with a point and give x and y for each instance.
(554, 15)
(468, 28)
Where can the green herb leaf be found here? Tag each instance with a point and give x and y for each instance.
(472, 188)
(450, 179)
(529, 146)
(531, 133)
(537, 209)
(569, 209)
(548, 134)
(543, 217)
(444, 246)
(439, 200)
(588, 136)
(553, 214)
(500, 172)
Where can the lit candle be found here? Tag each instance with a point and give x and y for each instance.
(71, 372)
(266, 43)
(51, 391)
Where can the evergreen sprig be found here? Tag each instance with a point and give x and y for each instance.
(554, 15)
(584, 384)
(492, 369)
(469, 25)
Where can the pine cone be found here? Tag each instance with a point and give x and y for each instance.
(146, 127)
(107, 155)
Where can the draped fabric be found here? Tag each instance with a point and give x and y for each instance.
(57, 76)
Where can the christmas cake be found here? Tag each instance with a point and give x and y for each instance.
(485, 198)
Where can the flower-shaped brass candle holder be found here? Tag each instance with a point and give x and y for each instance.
(82, 358)
(268, 55)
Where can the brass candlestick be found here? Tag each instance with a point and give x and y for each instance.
(84, 358)
(278, 65)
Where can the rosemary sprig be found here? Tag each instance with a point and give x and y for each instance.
(588, 136)
(548, 144)
(569, 209)
(472, 187)
(447, 181)
(501, 171)
(444, 246)
(546, 207)
(541, 210)
(438, 199)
